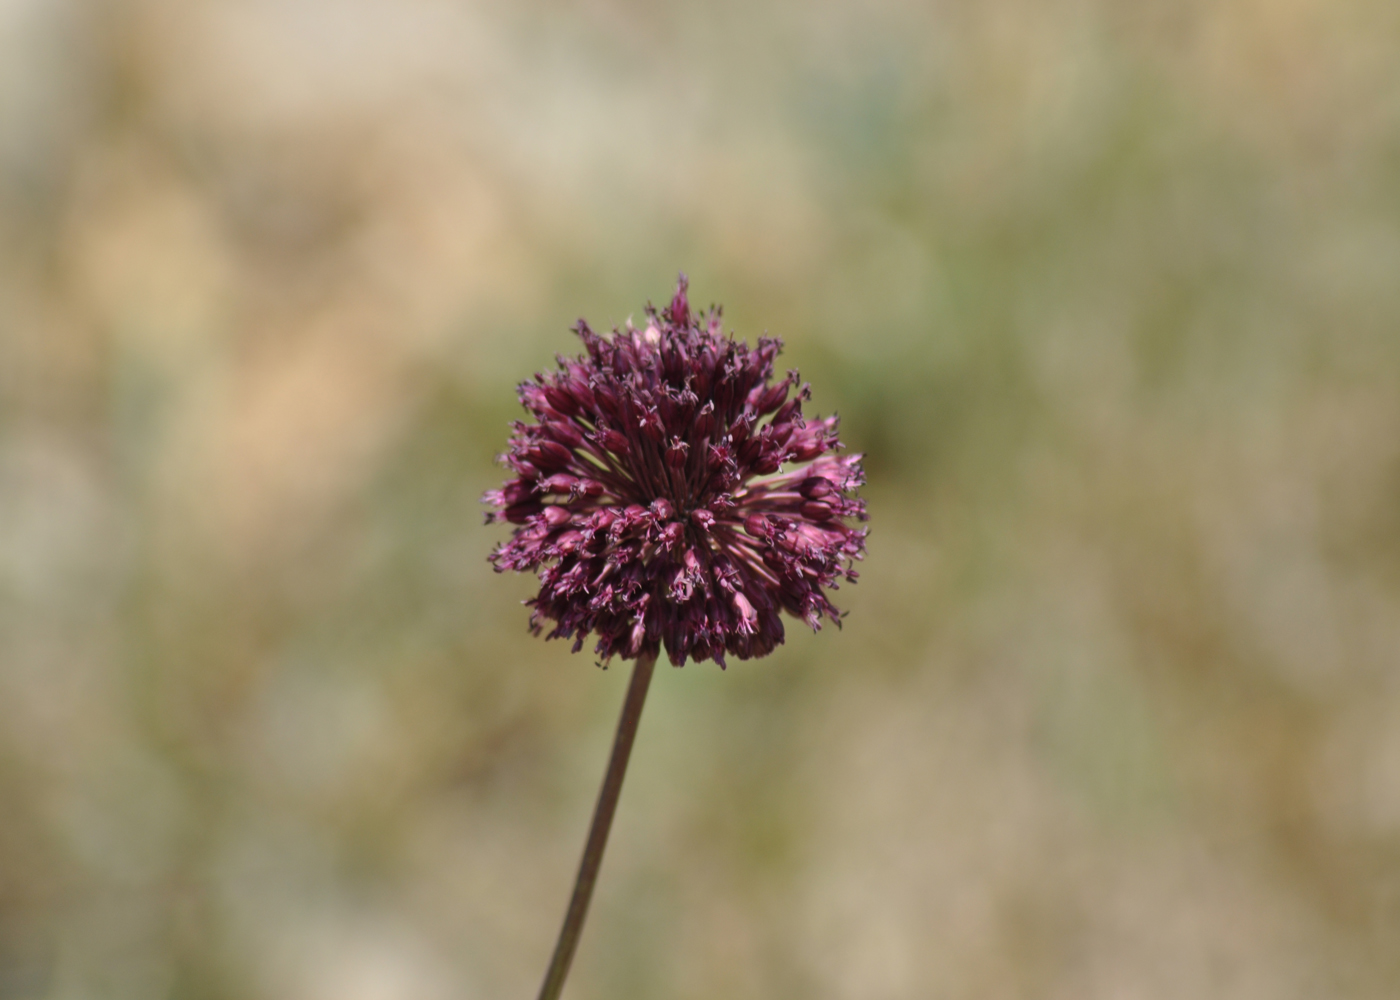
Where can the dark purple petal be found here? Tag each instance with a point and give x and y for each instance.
(636, 503)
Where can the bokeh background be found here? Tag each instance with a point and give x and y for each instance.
(1107, 290)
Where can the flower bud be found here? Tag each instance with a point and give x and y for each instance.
(565, 432)
(614, 441)
(551, 455)
(561, 401)
(555, 516)
(757, 525)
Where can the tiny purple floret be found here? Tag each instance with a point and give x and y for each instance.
(671, 492)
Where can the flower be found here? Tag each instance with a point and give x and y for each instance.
(670, 491)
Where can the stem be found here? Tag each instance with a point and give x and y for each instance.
(598, 832)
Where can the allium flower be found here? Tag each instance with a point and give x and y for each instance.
(671, 491)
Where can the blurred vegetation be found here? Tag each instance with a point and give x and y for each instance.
(1106, 290)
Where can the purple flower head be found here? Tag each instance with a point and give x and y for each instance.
(672, 491)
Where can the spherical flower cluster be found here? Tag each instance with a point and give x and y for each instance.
(670, 491)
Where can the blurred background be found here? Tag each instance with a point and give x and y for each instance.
(1107, 290)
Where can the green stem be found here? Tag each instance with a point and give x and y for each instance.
(598, 832)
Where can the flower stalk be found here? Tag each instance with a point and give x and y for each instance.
(598, 830)
(670, 492)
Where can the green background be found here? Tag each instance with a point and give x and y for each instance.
(1108, 291)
